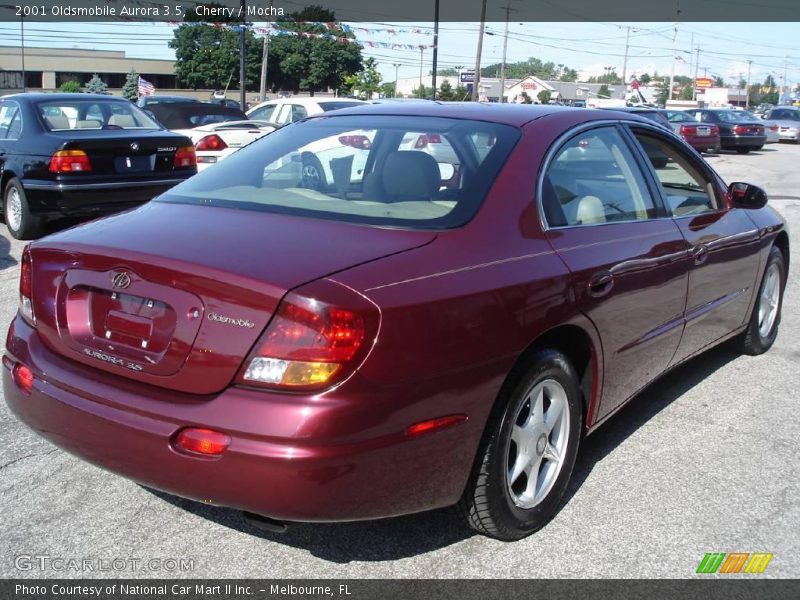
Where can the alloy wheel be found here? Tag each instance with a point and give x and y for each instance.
(769, 300)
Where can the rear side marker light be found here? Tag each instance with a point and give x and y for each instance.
(432, 425)
(23, 377)
(204, 442)
(70, 161)
(26, 288)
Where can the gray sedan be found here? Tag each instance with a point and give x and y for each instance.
(788, 119)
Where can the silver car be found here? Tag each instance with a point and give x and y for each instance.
(771, 128)
(788, 119)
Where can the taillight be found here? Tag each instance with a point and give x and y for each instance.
(211, 142)
(70, 161)
(310, 344)
(714, 130)
(428, 138)
(23, 377)
(355, 141)
(185, 157)
(26, 288)
(773, 128)
(205, 442)
(688, 129)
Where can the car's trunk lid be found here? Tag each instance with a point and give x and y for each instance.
(176, 295)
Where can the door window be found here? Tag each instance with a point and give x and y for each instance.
(594, 179)
(298, 112)
(686, 189)
(10, 121)
(263, 113)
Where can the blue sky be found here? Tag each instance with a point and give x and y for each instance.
(587, 47)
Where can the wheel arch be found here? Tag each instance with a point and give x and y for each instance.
(782, 243)
(5, 176)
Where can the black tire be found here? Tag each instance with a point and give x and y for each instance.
(743, 150)
(25, 225)
(757, 148)
(753, 340)
(313, 175)
(489, 504)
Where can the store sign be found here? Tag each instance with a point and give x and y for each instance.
(529, 85)
(703, 83)
(467, 77)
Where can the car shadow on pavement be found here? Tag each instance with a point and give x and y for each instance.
(644, 406)
(6, 260)
(412, 535)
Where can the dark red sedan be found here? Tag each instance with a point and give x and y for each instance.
(408, 333)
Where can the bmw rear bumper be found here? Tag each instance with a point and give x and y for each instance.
(293, 458)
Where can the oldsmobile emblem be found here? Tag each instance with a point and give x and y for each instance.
(121, 280)
(135, 147)
(230, 321)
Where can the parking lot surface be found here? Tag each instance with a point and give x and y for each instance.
(705, 460)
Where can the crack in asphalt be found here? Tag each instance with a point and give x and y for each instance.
(26, 456)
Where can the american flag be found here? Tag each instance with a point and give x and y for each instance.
(145, 88)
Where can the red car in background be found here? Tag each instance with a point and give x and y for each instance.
(387, 342)
(703, 137)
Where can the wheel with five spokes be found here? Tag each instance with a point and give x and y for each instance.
(528, 452)
(763, 326)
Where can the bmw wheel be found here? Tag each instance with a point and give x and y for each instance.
(528, 452)
(21, 222)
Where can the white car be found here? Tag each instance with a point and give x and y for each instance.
(287, 110)
(215, 130)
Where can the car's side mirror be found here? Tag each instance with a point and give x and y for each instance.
(747, 195)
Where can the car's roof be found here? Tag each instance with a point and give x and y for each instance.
(311, 101)
(510, 114)
(35, 96)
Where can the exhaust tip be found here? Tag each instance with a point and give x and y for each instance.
(265, 523)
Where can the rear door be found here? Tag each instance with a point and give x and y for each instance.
(723, 243)
(628, 260)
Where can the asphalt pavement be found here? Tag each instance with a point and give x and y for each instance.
(705, 460)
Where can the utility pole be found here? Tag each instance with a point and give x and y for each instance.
(505, 51)
(435, 46)
(242, 65)
(747, 89)
(672, 72)
(696, 68)
(22, 34)
(265, 56)
(783, 87)
(625, 60)
(477, 79)
(421, 52)
(396, 69)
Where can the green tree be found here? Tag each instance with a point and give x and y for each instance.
(312, 57)
(662, 93)
(604, 92)
(446, 92)
(70, 87)
(719, 81)
(422, 92)
(366, 82)
(387, 89)
(569, 75)
(543, 97)
(645, 79)
(96, 85)
(526, 99)
(686, 93)
(131, 87)
(771, 98)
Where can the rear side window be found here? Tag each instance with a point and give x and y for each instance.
(594, 179)
(10, 121)
(60, 115)
(414, 172)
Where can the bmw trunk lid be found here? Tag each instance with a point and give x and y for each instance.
(176, 295)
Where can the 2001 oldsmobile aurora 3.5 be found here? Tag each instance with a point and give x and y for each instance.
(434, 317)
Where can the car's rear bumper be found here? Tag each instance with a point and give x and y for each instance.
(742, 141)
(789, 135)
(711, 142)
(291, 457)
(93, 198)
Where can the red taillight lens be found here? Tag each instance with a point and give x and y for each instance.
(205, 442)
(356, 141)
(70, 161)
(688, 129)
(185, 157)
(428, 138)
(432, 425)
(714, 130)
(211, 142)
(26, 287)
(773, 128)
(309, 343)
(23, 377)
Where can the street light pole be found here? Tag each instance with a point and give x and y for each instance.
(242, 65)
(396, 69)
(265, 56)
(421, 53)
(747, 89)
(625, 60)
(435, 46)
(696, 68)
(22, 34)
(505, 52)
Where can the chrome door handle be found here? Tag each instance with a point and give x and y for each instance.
(600, 284)
(700, 254)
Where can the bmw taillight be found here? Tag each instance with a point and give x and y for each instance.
(313, 343)
(355, 141)
(26, 288)
(428, 138)
(211, 142)
(185, 157)
(70, 161)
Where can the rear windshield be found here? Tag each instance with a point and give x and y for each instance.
(681, 117)
(415, 172)
(735, 116)
(61, 115)
(328, 106)
(658, 117)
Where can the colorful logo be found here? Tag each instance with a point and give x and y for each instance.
(734, 562)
